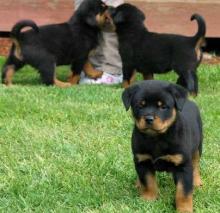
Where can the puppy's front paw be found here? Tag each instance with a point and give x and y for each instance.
(197, 182)
(185, 209)
(149, 195)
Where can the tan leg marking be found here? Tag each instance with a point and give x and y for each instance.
(17, 51)
(91, 72)
(9, 75)
(200, 43)
(151, 191)
(73, 79)
(127, 83)
(184, 203)
(196, 171)
(61, 84)
(133, 77)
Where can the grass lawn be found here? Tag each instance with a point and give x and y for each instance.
(68, 150)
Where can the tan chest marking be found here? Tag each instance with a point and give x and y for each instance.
(143, 157)
(175, 159)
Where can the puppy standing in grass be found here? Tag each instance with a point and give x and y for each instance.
(149, 53)
(167, 136)
(48, 46)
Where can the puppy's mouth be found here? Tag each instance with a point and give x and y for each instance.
(150, 129)
(153, 131)
(105, 22)
(157, 126)
(108, 25)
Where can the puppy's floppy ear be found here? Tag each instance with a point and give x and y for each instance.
(128, 94)
(179, 94)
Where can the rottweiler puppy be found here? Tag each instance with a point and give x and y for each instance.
(167, 136)
(148, 52)
(49, 46)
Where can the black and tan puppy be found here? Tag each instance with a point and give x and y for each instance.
(167, 136)
(149, 53)
(49, 46)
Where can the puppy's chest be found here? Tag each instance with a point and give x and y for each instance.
(162, 155)
(157, 149)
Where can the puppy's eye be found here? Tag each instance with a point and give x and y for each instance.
(142, 104)
(161, 105)
(164, 107)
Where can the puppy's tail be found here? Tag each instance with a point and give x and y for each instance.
(16, 30)
(200, 35)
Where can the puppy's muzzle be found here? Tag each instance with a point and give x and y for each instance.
(109, 25)
(149, 119)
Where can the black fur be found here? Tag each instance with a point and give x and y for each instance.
(149, 53)
(58, 44)
(183, 136)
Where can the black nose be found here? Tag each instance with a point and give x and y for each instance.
(149, 119)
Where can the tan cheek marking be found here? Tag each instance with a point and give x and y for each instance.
(175, 159)
(158, 124)
(170, 121)
(163, 126)
(143, 157)
(141, 124)
(100, 19)
(184, 203)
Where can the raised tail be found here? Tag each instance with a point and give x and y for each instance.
(16, 30)
(201, 27)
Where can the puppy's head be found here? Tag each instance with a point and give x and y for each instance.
(92, 12)
(125, 14)
(154, 105)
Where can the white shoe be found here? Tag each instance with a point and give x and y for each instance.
(105, 79)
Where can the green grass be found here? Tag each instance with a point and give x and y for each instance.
(68, 150)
